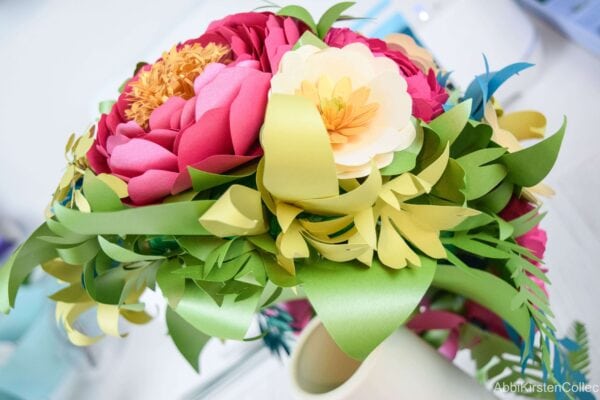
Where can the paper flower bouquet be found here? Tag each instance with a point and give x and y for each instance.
(275, 157)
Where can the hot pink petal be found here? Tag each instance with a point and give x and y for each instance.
(247, 111)
(114, 141)
(151, 186)
(209, 73)
(97, 160)
(208, 136)
(187, 114)
(138, 156)
(221, 91)
(130, 129)
(163, 137)
(161, 116)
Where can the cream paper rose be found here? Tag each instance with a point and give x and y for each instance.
(362, 99)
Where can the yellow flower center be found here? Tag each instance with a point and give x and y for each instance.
(172, 75)
(345, 112)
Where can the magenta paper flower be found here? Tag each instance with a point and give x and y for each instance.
(427, 94)
(215, 131)
(264, 37)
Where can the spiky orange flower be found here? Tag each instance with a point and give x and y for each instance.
(172, 75)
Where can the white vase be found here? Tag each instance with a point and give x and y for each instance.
(402, 367)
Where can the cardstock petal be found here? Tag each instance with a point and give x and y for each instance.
(138, 156)
(208, 136)
(151, 186)
(161, 116)
(247, 111)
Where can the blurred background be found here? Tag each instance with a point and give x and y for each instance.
(60, 58)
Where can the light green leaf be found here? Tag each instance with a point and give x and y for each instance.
(228, 321)
(299, 13)
(331, 16)
(276, 273)
(79, 254)
(163, 219)
(377, 299)
(202, 180)
(100, 196)
(309, 38)
(497, 199)
(480, 178)
(529, 166)
(188, 340)
(451, 123)
(171, 284)
(25, 258)
(486, 289)
(121, 254)
(105, 106)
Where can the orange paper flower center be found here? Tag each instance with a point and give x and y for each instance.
(345, 112)
(172, 75)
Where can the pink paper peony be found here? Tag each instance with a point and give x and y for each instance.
(214, 131)
(254, 36)
(428, 96)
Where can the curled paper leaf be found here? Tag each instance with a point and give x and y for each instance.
(189, 340)
(164, 219)
(238, 212)
(334, 288)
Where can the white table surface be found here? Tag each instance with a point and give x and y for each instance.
(61, 57)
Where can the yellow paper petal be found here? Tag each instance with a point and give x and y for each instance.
(108, 319)
(326, 227)
(348, 203)
(67, 314)
(81, 202)
(238, 212)
(365, 225)
(438, 218)
(298, 157)
(392, 250)
(117, 185)
(434, 171)
(286, 214)
(524, 124)
(339, 252)
(428, 241)
(291, 243)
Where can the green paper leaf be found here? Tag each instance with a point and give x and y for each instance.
(451, 185)
(202, 180)
(121, 254)
(80, 254)
(497, 199)
(105, 106)
(299, 13)
(331, 16)
(529, 166)
(472, 138)
(451, 123)
(481, 179)
(486, 289)
(228, 321)
(377, 299)
(309, 38)
(100, 196)
(171, 284)
(188, 340)
(163, 219)
(276, 273)
(25, 258)
(467, 243)
(406, 159)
